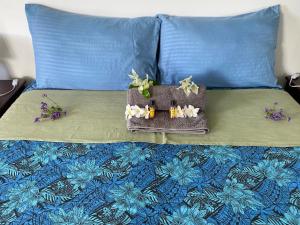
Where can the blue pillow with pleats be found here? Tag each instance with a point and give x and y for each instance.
(74, 51)
(237, 51)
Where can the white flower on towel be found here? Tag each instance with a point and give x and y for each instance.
(147, 112)
(188, 86)
(136, 111)
(194, 88)
(190, 111)
(145, 84)
(142, 85)
(129, 112)
(179, 112)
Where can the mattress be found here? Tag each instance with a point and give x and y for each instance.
(235, 117)
(86, 168)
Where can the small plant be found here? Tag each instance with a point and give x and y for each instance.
(272, 113)
(142, 85)
(52, 112)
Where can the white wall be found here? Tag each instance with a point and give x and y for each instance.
(15, 44)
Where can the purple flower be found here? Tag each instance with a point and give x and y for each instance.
(53, 111)
(44, 106)
(55, 115)
(274, 114)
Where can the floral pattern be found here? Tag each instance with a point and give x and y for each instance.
(188, 216)
(274, 170)
(132, 154)
(75, 216)
(180, 170)
(20, 198)
(221, 154)
(81, 173)
(45, 153)
(130, 199)
(238, 197)
(141, 183)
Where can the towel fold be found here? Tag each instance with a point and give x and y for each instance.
(163, 123)
(163, 95)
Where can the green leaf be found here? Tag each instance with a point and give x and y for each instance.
(154, 82)
(146, 93)
(131, 86)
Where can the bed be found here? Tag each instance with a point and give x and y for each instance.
(86, 168)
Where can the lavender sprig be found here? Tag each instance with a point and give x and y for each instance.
(272, 113)
(50, 112)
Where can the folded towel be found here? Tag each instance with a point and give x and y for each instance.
(163, 123)
(163, 95)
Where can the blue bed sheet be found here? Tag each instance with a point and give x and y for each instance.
(141, 183)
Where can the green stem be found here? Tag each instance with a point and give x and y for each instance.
(53, 101)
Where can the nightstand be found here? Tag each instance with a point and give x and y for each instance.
(293, 91)
(7, 100)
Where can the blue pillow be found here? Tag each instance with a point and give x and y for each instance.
(236, 51)
(75, 51)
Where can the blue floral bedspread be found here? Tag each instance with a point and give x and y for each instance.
(141, 183)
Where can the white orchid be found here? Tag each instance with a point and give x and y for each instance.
(179, 112)
(147, 112)
(186, 82)
(194, 88)
(190, 111)
(188, 86)
(145, 84)
(142, 85)
(136, 80)
(129, 112)
(136, 111)
(139, 112)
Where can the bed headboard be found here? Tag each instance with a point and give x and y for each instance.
(16, 51)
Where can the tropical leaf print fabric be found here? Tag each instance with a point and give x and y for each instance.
(141, 183)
